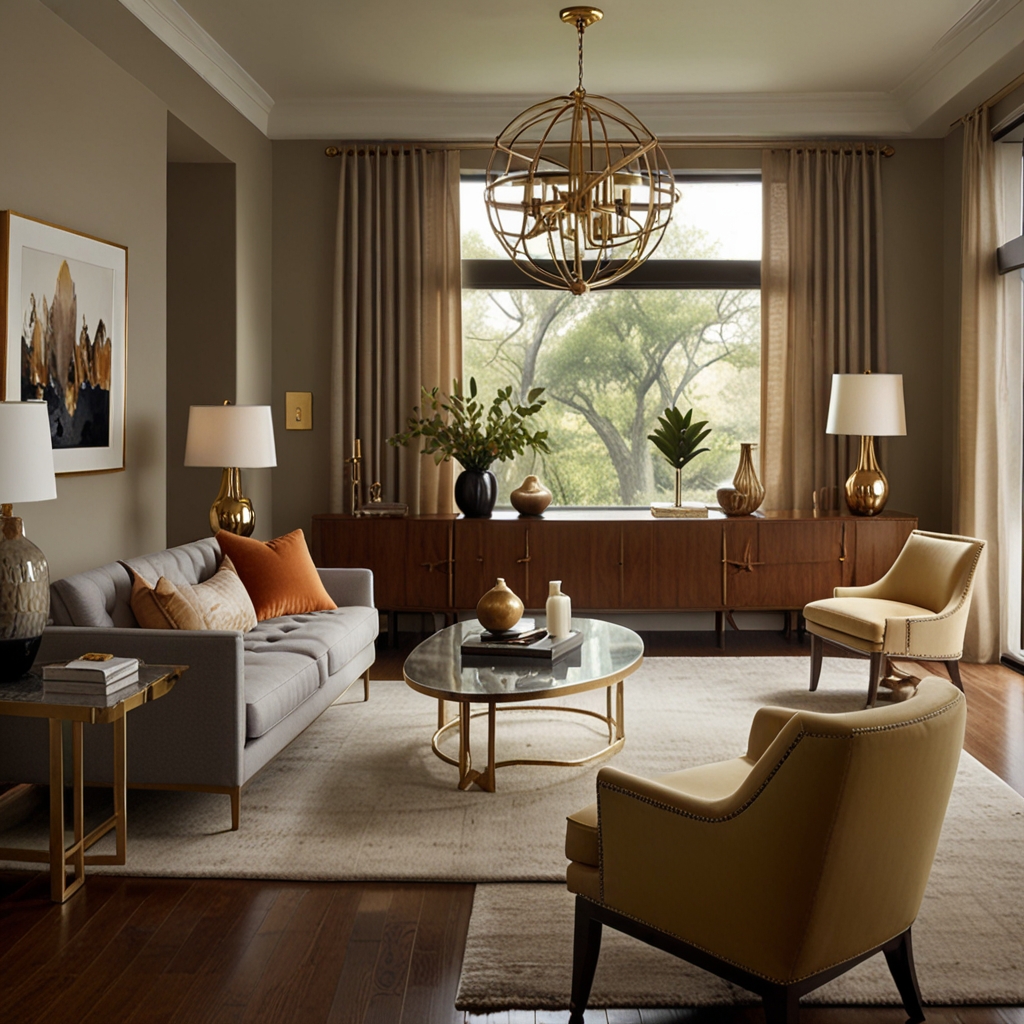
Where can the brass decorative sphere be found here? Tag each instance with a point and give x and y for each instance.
(499, 609)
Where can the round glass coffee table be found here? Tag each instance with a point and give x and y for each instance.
(437, 668)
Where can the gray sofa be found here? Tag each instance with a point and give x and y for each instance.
(243, 699)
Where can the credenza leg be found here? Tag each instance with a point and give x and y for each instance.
(720, 629)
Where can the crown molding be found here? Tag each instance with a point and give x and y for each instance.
(462, 117)
(989, 31)
(175, 27)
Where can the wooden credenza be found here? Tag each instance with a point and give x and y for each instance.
(614, 560)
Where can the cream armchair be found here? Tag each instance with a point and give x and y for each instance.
(916, 611)
(781, 869)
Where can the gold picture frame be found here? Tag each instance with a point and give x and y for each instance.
(64, 310)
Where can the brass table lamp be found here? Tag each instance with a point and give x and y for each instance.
(235, 437)
(26, 474)
(869, 404)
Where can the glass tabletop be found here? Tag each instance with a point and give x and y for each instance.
(609, 653)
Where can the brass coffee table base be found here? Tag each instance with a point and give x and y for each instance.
(485, 780)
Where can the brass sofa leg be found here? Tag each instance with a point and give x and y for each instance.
(586, 947)
(236, 808)
(817, 651)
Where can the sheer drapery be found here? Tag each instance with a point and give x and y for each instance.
(397, 315)
(988, 473)
(822, 311)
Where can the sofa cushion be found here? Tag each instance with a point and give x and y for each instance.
(221, 602)
(279, 574)
(276, 683)
(332, 638)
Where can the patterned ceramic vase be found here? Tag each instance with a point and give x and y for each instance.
(531, 497)
(24, 599)
(499, 609)
(747, 492)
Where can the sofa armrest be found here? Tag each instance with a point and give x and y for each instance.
(349, 587)
(195, 735)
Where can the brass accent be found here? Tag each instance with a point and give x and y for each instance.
(666, 142)
(579, 182)
(531, 497)
(746, 565)
(298, 410)
(96, 657)
(499, 608)
(485, 780)
(747, 492)
(231, 509)
(574, 15)
(842, 548)
(354, 463)
(59, 855)
(866, 489)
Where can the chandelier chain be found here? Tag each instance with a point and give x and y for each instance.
(580, 26)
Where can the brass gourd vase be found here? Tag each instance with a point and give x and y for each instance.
(499, 609)
(747, 492)
(531, 497)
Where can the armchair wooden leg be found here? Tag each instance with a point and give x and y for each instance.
(236, 808)
(817, 651)
(878, 660)
(900, 958)
(366, 685)
(953, 668)
(586, 947)
(781, 1006)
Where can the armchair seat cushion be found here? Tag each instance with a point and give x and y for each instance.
(862, 617)
(707, 781)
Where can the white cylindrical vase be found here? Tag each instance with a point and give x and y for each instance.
(558, 610)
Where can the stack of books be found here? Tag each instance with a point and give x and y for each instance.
(90, 676)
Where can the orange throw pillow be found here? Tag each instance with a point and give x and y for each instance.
(279, 574)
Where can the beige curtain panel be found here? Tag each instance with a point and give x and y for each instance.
(988, 457)
(397, 315)
(822, 311)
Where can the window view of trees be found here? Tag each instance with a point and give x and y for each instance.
(614, 359)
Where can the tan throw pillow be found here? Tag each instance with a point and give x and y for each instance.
(221, 602)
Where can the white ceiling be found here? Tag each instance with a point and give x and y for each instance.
(455, 68)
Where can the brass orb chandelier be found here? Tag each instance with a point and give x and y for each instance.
(578, 191)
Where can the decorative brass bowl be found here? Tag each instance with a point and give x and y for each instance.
(531, 497)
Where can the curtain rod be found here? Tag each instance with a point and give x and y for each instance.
(804, 144)
(994, 98)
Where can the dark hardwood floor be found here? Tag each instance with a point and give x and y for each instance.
(181, 951)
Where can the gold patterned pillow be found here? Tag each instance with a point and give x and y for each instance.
(221, 602)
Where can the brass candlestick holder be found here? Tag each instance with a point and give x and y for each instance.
(354, 463)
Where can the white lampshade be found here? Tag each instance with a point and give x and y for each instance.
(867, 403)
(26, 453)
(239, 436)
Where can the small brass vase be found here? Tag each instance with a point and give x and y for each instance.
(499, 609)
(531, 497)
(747, 492)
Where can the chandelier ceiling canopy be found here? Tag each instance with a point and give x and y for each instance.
(578, 191)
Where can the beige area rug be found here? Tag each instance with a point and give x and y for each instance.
(360, 796)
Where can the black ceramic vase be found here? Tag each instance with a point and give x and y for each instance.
(476, 491)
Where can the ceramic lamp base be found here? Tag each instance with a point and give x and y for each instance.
(24, 598)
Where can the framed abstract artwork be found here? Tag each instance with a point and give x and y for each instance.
(64, 310)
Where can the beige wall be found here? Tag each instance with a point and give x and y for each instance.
(119, 34)
(305, 209)
(84, 147)
(918, 466)
(201, 364)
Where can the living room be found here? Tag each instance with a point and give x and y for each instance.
(193, 135)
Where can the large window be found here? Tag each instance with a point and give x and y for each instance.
(684, 329)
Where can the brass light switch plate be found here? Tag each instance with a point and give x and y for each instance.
(298, 407)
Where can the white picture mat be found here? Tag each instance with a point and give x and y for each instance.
(31, 234)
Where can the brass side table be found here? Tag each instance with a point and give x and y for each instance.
(25, 698)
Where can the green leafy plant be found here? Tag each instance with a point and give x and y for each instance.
(460, 427)
(677, 438)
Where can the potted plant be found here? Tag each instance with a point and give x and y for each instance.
(677, 439)
(474, 434)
